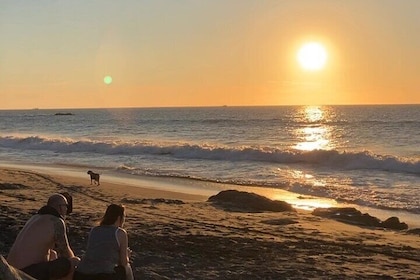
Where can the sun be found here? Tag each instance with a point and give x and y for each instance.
(312, 56)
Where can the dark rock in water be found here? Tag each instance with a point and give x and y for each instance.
(336, 212)
(349, 215)
(63, 114)
(249, 202)
(394, 223)
(353, 216)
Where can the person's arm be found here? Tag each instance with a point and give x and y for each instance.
(122, 237)
(125, 253)
(62, 246)
(52, 255)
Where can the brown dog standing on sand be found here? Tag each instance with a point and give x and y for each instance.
(94, 177)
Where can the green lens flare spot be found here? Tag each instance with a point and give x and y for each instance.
(108, 80)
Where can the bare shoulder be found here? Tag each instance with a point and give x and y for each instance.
(43, 223)
(121, 231)
(122, 234)
(56, 221)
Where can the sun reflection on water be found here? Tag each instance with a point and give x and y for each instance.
(308, 203)
(314, 135)
(314, 114)
(298, 201)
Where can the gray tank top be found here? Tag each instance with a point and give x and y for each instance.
(103, 251)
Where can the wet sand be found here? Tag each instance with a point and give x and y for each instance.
(179, 236)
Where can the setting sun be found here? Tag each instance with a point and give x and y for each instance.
(312, 56)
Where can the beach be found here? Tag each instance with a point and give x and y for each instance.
(177, 235)
(245, 139)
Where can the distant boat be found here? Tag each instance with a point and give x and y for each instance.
(63, 114)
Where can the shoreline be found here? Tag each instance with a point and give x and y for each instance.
(180, 236)
(200, 190)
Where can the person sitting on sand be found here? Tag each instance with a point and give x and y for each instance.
(107, 254)
(41, 248)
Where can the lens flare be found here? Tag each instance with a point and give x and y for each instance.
(107, 80)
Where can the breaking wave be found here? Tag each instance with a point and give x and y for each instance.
(359, 160)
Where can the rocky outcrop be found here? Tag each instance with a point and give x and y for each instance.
(248, 202)
(353, 216)
(394, 223)
(414, 231)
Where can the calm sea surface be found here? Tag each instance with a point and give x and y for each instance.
(363, 155)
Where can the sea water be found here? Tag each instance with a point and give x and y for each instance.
(361, 155)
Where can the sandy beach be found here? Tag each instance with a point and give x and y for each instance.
(180, 236)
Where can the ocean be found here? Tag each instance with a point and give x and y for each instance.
(367, 156)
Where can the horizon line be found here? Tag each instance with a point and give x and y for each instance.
(208, 106)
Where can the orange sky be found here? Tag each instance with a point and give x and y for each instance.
(206, 53)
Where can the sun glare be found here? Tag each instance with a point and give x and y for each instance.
(312, 56)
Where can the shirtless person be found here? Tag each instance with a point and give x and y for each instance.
(42, 240)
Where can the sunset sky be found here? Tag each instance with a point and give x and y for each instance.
(159, 53)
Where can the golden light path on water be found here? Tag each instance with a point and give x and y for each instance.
(307, 203)
(312, 135)
(315, 135)
(304, 202)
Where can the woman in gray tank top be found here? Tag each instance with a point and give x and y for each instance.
(107, 253)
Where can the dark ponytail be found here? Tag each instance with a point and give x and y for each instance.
(111, 214)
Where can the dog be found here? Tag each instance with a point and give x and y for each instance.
(94, 177)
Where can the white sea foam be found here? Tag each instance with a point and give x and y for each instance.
(326, 158)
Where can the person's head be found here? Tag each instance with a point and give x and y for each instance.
(59, 203)
(114, 214)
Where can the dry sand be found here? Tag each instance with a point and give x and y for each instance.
(184, 237)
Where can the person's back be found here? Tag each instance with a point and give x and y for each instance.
(102, 252)
(41, 248)
(33, 241)
(107, 253)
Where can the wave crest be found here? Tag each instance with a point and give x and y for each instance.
(324, 158)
